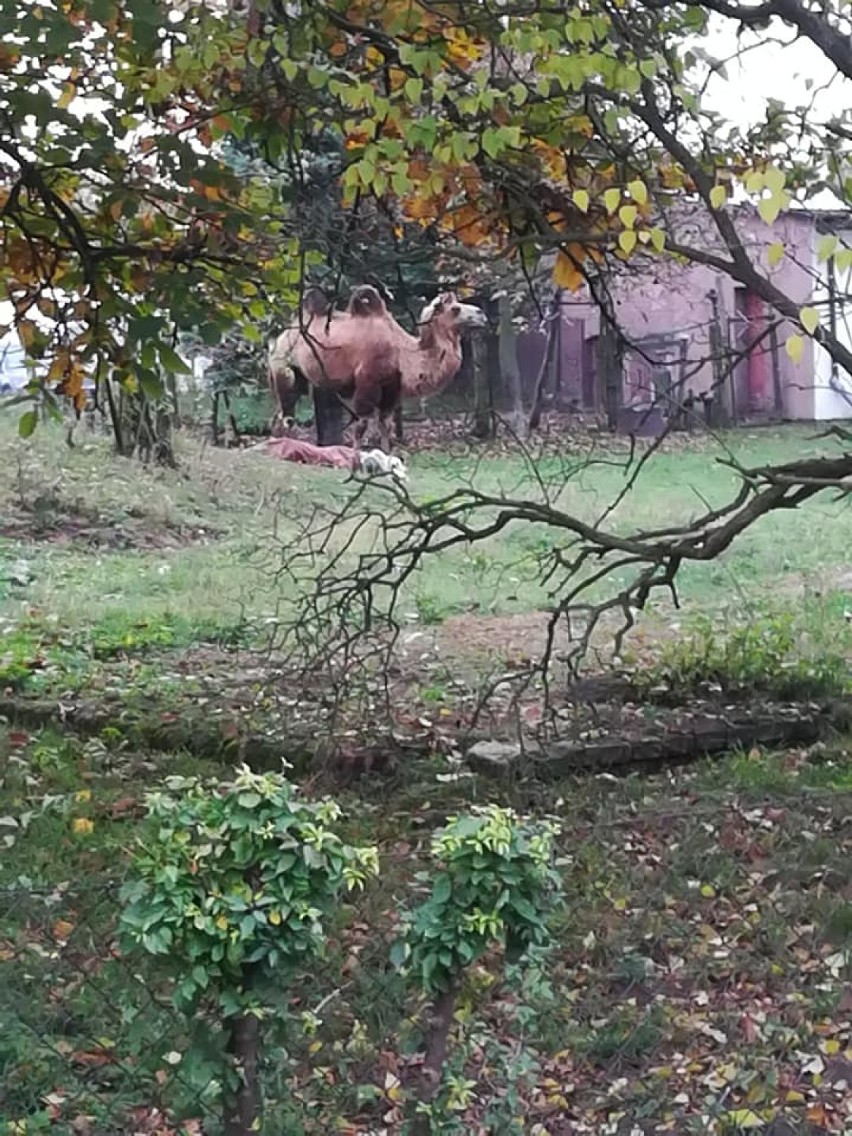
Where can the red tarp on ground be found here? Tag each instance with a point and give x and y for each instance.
(291, 449)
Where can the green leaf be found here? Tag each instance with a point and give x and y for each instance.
(442, 888)
(627, 215)
(27, 423)
(413, 89)
(400, 953)
(581, 199)
(658, 239)
(718, 196)
(627, 241)
(775, 253)
(172, 361)
(611, 199)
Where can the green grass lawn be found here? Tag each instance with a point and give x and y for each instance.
(698, 979)
(205, 541)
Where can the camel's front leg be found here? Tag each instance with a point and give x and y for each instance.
(361, 427)
(389, 408)
(385, 437)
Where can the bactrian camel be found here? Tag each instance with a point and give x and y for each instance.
(367, 358)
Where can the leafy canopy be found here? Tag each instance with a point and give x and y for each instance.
(513, 130)
(233, 881)
(495, 883)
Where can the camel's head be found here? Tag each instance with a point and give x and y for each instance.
(448, 307)
(366, 301)
(314, 303)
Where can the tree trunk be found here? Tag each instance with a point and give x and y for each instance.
(226, 398)
(483, 400)
(143, 432)
(244, 1106)
(610, 365)
(509, 370)
(431, 1071)
(328, 417)
(398, 423)
(214, 418)
(552, 317)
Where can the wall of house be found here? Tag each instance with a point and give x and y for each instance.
(673, 303)
(832, 385)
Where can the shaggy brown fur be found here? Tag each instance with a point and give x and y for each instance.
(367, 358)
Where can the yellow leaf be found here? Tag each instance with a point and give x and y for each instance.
(718, 196)
(222, 923)
(566, 274)
(315, 1047)
(627, 241)
(744, 1118)
(774, 180)
(770, 207)
(708, 891)
(581, 199)
(628, 215)
(658, 239)
(611, 199)
(83, 795)
(82, 826)
(809, 319)
(638, 191)
(274, 918)
(754, 183)
(775, 253)
(69, 90)
(830, 1047)
(826, 246)
(794, 1097)
(795, 348)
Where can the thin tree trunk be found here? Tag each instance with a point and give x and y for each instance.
(777, 389)
(552, 319)
(432, 1069)
(509, 369)
(244, 1106)
(723, 372)
(227, 400)
(214, 419)
(483, 402)
(610, 366)
(114, 417)
(398, 423)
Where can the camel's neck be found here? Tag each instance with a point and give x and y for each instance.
(432, 361)
(441, 350)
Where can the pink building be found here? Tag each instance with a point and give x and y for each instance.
(693, 331)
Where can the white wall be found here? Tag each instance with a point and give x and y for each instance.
(833, 394)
